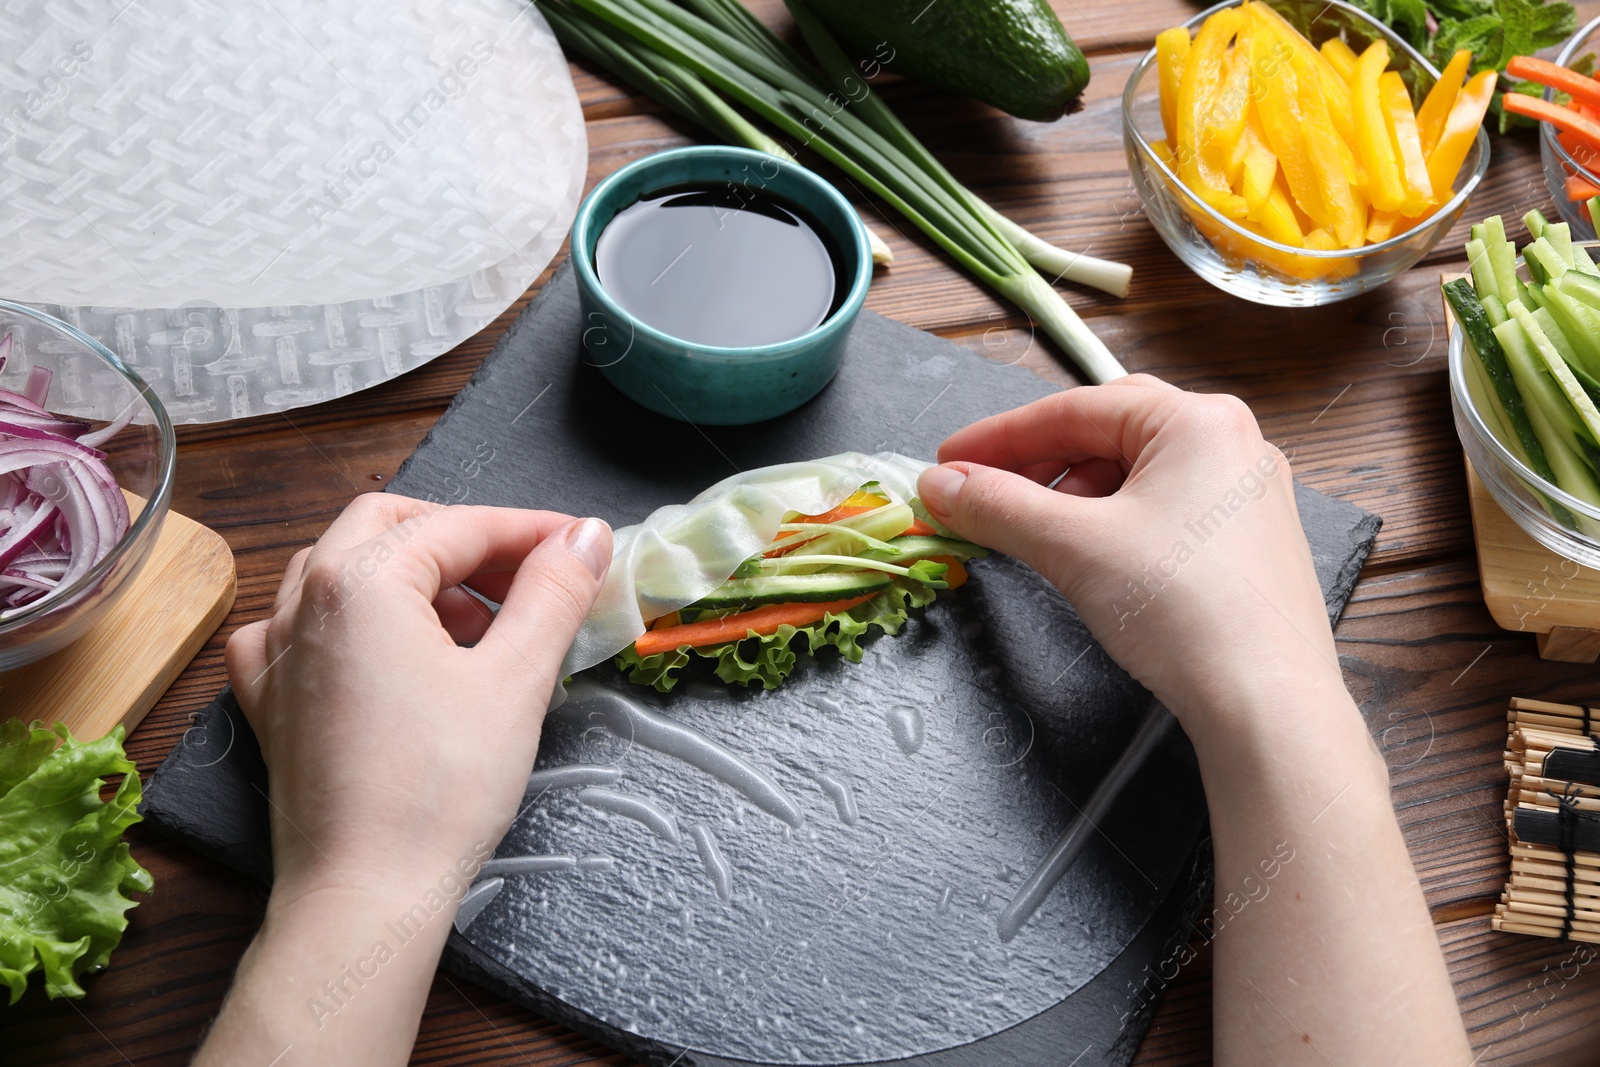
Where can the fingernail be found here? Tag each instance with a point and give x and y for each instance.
(585, 540)
(939, 486)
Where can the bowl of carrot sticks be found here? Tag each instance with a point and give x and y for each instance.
(1298, 152)
(1569, 123)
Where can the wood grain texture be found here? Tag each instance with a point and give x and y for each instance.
(1355, 392)
(116, 672)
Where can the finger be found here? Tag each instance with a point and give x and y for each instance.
(491, 586)
(433, 551)
(1045, 473)
(1144, 381)
(1007, 512)
(1089, 422)
(246, 660)
(1093, 478)
(367, 517)
(291, 579)
(464, 617)
(554, 589)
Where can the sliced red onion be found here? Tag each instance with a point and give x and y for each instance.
(96, 438)
(61, 511)
(38, 385)
(17, 428)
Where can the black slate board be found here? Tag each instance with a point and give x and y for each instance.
(825, 929)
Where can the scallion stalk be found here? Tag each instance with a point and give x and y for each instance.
(723, 46)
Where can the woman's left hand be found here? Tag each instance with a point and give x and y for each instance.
(390, 747)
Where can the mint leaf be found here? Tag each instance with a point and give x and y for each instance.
(1500, 30)
(1408, 18)
(64, 870)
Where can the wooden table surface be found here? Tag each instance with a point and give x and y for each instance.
(1355, 394)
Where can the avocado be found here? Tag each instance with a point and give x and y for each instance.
(1013, 54)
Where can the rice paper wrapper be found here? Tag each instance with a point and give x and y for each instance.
(684, 551)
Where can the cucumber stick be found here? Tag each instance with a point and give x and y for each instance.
(1478, 328)
(1586, 425)
(880, 524)
(1482, 270)
(1502, 257)
(1579, 327)
(1551, 416)
(1488, 404)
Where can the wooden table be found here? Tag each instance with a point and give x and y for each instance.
(1355, 393)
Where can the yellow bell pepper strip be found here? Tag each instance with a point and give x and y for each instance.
(1321, 241)
(1275, 217)
(1202, 77)
(1276, 97)
(1335, 88)
(1223, 126)
(1440, 99)
(1402, 123)
(1345, 217)
(1372, 143)
(1384, 225)
(1172, 54)
(1340, 57)
(1460, 130)
(1260, 166)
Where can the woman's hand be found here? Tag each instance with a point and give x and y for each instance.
(389, 746)
(1172, 529)
(396, 757)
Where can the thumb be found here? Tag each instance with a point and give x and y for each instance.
(552, 592)
(246, 660)
(1008, 513)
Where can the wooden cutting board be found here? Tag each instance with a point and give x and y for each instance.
(1529, 588)
(119, 669)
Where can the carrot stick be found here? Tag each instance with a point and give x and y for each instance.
(762, 621)
(1578, 86)
(1585, 130)
(956, 576)
(1581, 188)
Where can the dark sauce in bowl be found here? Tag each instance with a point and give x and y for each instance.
(722, 266)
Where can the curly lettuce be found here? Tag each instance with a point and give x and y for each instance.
(770, 659)
(65, 872)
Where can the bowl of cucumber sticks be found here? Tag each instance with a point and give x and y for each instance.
(1525, 378)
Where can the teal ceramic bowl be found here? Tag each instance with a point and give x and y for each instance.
(700, 383)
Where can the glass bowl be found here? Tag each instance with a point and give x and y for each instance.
(1242, 263)
(1532, 502)
(89, 383)
(1559, 164)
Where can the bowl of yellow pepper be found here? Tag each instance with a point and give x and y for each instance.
(1297, 152)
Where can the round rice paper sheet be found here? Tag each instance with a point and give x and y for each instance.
(260, 207)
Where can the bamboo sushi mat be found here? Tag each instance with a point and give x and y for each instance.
(1553, 818)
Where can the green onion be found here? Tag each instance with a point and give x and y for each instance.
(720, 47)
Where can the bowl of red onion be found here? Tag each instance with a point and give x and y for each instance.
(86, 462)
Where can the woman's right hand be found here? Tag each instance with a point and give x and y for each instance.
(1172, 530)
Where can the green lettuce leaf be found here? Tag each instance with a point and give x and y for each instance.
(771, 658)
(64, 870)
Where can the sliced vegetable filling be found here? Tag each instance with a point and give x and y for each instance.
(828, 577)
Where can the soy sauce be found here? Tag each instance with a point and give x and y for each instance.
(726, 266)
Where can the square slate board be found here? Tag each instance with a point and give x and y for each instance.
(812, 875)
